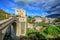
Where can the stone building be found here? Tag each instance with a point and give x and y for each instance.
(38, 19)
(21, 17)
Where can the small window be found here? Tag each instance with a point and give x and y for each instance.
(23, 19)
(18, 11)
(23, 11)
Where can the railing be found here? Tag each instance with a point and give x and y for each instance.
(6, 22)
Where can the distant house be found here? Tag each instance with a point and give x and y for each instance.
(38, 19)
(29, 25)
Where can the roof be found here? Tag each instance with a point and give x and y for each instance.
(38, 21)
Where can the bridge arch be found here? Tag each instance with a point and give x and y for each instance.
(14, 26)
(10, 32)
(13, 29)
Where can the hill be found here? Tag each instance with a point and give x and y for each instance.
(53, 15)
(3, 14)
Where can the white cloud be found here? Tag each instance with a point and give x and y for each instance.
(46, 4)
(24, 0)
(13, 8)
(58, 7)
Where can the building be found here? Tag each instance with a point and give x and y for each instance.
(38, 19)
(21, 17)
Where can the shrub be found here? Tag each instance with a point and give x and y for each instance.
(51, 30)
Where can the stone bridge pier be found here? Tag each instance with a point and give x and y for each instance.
(20, 28)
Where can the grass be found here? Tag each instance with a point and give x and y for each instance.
(41, 24)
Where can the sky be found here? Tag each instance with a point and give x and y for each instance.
(32, 7)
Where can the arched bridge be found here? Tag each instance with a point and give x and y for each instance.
(13, 27)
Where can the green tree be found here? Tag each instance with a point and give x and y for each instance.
(58, 19)
(51, 30)
(3, 14)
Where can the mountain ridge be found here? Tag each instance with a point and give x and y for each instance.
(53, 15)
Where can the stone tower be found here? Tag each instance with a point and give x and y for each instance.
(21, 22)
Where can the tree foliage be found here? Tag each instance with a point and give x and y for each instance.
(58, 19)
(30, 19)
(3, 14)
(51, 30)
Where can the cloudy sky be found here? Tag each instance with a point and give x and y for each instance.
(36, 7)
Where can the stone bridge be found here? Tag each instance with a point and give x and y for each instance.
(15, 25)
